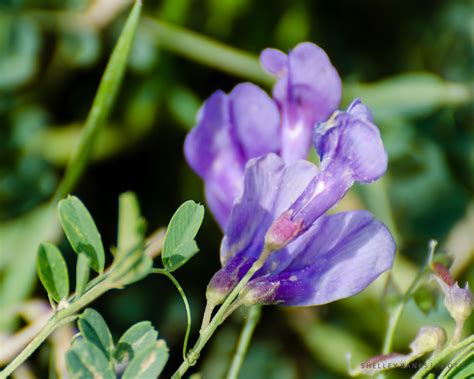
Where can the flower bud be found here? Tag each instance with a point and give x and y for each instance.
(429, 338)
(282, 231)
(459, 302)
(260, 293)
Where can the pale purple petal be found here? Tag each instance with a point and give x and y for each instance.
(255, 119)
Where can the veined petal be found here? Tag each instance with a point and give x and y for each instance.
(342, 255)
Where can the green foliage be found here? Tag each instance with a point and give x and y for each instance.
(86, 360)
(94, 352)
(94, 329)
(148, 363)
(52, 271)
(81, 231)
(180, 245)
(135, 339)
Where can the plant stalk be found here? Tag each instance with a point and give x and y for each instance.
(244, 341)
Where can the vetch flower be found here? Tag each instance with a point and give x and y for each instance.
(247, 123)
(315, 258)
(308, 91)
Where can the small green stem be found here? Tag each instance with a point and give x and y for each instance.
(244, 341)
(185, 301)
(59, 318)
(436, 359)
(218, 318)
(397, 313)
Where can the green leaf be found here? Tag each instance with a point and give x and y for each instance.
(52, 271)
(136, 339)
(148, 363)
(131, 227)
(179, 244)
(95, 330)
(103, 103)
(81, 231)
(82, 273)
(85, 360)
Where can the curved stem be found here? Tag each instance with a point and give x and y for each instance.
(244, 341)
(218, 318)
(185, 301)
(436, 359)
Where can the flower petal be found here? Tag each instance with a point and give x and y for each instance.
(314, 84)
(255, 119)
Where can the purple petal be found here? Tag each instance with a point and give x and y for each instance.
(255, 119)
(341, 255)
(210, 139)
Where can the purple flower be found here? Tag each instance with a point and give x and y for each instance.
(316, 258)
(308, 91)
(247, 123)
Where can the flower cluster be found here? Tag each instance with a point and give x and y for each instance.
(250, 149)
(247, 123)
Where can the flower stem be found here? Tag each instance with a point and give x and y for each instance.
(185, 301)
(244, 341)
(468, 343)
(207, 333)
(58, 318)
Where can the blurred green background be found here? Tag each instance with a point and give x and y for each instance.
(412, 62)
